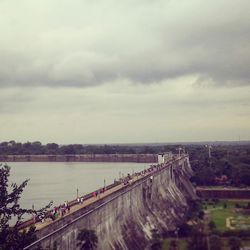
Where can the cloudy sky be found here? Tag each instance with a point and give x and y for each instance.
(108, 71)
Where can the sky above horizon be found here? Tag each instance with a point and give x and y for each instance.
(95, 71)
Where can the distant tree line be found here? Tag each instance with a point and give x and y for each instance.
(232, 161)
(35, 148)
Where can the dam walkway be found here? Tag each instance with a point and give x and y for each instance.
(97, 195)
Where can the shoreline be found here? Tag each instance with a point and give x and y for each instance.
(140, 158)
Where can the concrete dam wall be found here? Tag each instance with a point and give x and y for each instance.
(124, 219)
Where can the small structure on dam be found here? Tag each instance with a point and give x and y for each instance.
(125, 213)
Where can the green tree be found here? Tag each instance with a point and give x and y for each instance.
(10, 236)
(211, 225)
(185, 230)
(234, 243)
(215, 242)
(87, 239)
(198, 240)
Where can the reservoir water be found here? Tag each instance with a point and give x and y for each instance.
(59, 181)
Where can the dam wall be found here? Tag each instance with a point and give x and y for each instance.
(143, 158)
(124, 219)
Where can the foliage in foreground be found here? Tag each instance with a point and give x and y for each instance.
(10, 236)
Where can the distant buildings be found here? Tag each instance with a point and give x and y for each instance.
(222, 180)
(162, 158)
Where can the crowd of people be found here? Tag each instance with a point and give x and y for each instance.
(56, 212)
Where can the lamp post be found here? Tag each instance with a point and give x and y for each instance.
(209, 150)
(209, 153)
(179, 151)
(176, 233)
(33, 216)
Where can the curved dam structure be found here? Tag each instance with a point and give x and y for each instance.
(123, 219)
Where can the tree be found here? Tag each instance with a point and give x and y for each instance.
(215, 242)
(197, 240)
(201, 215)
(173, 245)
(156, 242)
(87, 239)
(10, 235)
(185, 230)
(234, 243)
(212, 225)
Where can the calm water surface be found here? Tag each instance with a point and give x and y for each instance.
(59, 181)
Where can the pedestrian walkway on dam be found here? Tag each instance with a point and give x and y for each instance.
(74, 208)
(77, 205)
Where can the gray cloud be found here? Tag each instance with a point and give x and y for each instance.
(14, 100)
(124, 112)
(88, 43)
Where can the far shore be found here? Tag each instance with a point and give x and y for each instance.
(140, 158)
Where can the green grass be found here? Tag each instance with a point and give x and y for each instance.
(219, 214)
(219, 217)
(182, 244)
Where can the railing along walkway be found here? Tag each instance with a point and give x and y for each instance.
(90, 199)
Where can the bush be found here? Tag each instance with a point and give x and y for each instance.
(211, 225)
(185, 230)
(248, 205)
(237, 205)
(216, 232)
(234, 243)
(215, 242)
(238, 233)
(201, 215)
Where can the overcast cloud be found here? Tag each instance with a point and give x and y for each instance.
(124, 71)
